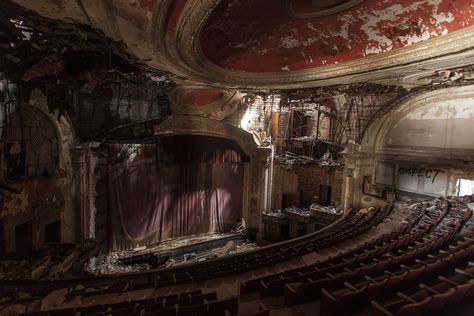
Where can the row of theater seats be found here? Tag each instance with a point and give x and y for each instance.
(423, 247)
(438, 252)
(349, 284)
(193, 303)
(273, 284)
(353, 224)
(433, 297)
(390, 254)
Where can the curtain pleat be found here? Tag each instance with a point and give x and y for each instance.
(179, 186)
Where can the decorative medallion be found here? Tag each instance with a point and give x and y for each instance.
(204, 101)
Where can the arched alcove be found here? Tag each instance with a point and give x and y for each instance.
(423, 147)
(38, 206)
(30, 145)
(443, 125)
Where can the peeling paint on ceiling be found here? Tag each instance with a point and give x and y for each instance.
(260, 36)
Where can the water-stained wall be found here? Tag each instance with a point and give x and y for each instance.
(38, 195)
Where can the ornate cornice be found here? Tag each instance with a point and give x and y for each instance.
(184, 47)
(192, 125)
(159, 31)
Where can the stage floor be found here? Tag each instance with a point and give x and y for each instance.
(183, 250)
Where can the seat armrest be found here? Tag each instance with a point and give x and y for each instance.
(428, 289)
(350, 286)
(405, 297)
(442, 278)
(380, 309)
(460, 271)
(328, 294)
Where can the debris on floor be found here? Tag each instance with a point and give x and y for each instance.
(325, 209)
(165, 255)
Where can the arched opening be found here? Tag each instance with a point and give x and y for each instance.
(421, 149)
(30, 145)
(174, 186)
(33, 200)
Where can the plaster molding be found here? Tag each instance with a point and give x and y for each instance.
(179, 51)
(451, 50)
(393, 117)
(193, 125)
(379, 132)
(226, 105)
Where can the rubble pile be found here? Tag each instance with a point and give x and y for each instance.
(325, 209)
(116, 262)
(110, 264)
(316, 152)
(229, 249)
(304, 212)
(276, 213)
(298, 211)
(289, 160)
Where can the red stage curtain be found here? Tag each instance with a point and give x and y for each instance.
(178, 186)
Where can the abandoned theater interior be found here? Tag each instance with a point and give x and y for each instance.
(236, 157)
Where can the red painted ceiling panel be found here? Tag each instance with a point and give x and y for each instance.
(260, 35)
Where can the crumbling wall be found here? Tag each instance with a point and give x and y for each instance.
(300, 185)
(312, 177)
(43, 194)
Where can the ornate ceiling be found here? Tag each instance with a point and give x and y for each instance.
(280, 44)
(271, 36)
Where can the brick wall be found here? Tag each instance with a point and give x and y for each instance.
(310, 179)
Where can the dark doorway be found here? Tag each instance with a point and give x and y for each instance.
(24, 237)
(324, 194)
(52, 232)
(2, 238)
(285, 232)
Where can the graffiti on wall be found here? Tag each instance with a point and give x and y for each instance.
(430, 174)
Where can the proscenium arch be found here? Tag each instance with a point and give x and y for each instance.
(256, 170)
(187, 125)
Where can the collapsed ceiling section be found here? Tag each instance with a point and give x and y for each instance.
(39, 49)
